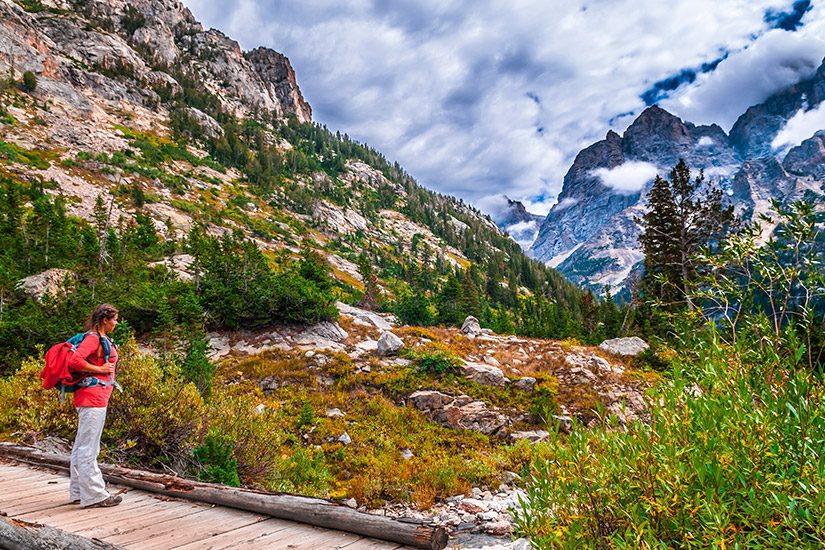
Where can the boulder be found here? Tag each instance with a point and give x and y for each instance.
(365, 317)
(389, 344)
(323, 335)
(459, 411)
(53, 282)
(630, 347)
(471, 326)
(366, 346)
(218, 345)
(486, 375)
(528, 384)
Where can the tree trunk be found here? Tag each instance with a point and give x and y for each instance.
(21, 535)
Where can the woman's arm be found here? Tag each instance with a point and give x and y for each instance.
(105, 368)
(88, 347)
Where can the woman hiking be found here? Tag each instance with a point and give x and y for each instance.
(89, 361)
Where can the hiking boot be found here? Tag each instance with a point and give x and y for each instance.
(113, 500)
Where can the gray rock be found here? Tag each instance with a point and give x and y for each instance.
(211, 127)
(56, 283)
(631, 346)
(407, 454)
(270, 383)
(473, 506)
(345, 438)
(367, 346)
(218, 345)
(180, 265)
(364, 316)
(498, 528)
(486, 375)
(351, 503)
(527, 384)
(471, 327)
(389, 344)
(334, 413)
(458, 412)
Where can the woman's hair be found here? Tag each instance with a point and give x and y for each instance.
(101, 312)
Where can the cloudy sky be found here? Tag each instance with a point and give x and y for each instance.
(478, 98)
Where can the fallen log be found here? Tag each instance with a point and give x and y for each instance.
(22, 535)
(312, 511)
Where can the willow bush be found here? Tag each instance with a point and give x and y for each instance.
(734, 452)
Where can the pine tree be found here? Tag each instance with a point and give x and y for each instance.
(683, 218)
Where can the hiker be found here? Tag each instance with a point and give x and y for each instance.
(86, 484)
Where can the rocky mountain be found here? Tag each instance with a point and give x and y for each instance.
(513, 218)
(590, 235)
(132, 114)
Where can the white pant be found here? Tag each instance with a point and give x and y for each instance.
(86, 482)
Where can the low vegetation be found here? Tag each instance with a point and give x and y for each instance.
(733, 453)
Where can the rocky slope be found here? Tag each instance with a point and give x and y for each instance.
(591, 235)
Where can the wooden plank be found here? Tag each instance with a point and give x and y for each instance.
(148, 524)
(75, 514)
(12, 483)
(322, 539)
(279, 539)
(242, 534)
(38, 502)
(19, 473)
(32, 490)
(372, 544)
(130, 507)
(143, 533)
(218, 523)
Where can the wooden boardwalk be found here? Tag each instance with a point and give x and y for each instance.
(148, 521)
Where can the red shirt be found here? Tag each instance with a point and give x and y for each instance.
(91, 351)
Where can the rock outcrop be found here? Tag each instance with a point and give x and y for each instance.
(459, 411)
(631, 346)
(54, 283)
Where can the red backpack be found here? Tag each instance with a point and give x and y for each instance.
(56, 373)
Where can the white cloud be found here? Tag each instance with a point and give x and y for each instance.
(775, 61)
(496, 206)
(447, 88)
(629, 177)
(566, 203)
(705, 141)
(800, 127)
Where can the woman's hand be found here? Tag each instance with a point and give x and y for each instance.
(105, 368)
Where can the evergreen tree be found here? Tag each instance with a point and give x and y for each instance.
(683, 218)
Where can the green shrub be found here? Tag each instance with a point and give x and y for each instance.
(435, 361)
(733, 456)
(306, 416)
(196, 367)
(215, 462)
(29, 82)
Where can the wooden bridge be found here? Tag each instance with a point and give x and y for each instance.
(33, 496)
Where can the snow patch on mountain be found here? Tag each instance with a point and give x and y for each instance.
(556, 260)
